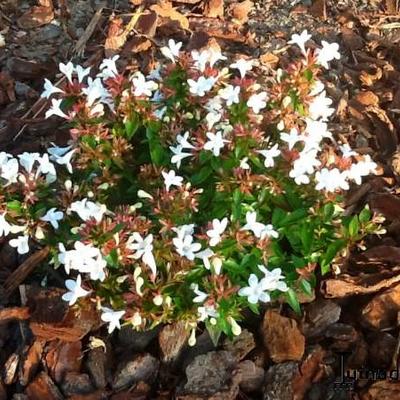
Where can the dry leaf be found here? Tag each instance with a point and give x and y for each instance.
(240, 11)
(269, 59)
(351, 40)
(164, 9)
(282, 338)
(35, 17)
(318, 9)
(147, 24)
(367, 98)
(214, 9)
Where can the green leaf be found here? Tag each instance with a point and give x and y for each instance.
(330, 254)
(354, 227)
(328, 212)
(202, 175)
(14, 205)
(365, 215)
(214, 332)
(307, 237)
(157, 152)
(131, 126)
(293, 301)
(306, 287)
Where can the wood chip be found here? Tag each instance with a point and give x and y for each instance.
(214, 9)
(10, 313)
(35, 17)
(43, 388)
(282, 338)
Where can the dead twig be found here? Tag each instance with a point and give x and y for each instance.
(23, 271)
(12, 313)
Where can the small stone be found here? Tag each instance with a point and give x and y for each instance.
(172, 340)
(249, 377)
(96, 363)
(279, 381)
(282, 338)
(382, 390)
(381, 312)
(129, 339)
(319, 315)
(75, 383)
(142, 367)
(382, 346)
(210, 373)
(42, 387)
(240, 345)
(203, 345)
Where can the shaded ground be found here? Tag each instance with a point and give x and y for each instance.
(48, 353)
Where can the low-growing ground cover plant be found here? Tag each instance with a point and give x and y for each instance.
(192, 193)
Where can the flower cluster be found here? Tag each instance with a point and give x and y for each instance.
(192, 192)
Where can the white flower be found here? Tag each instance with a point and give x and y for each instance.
(212, 118)
(315, 132)
(53, 217)
(303, 165)
(108, 68)
(331, 180)
(21, 243)
(273, 280)
(172, 50)
(143, 87)
(200, 296)
(67, 70)
(201, 86)
(291, 138)
(55, 109)
(84, 258)
(46, 168)
(300, 40)
(50, 89)
(9, 170)
(82, 72)
(243, 66)
(206, 312)
(215, 55)
(171, 179)
(205, 255)
(4, 225)
(184, 230)
(75, 290)
(255, 292)
(252, 224)
(88, 209)
(200, 59)
(144, 195)
(144, 250)
(112, 317)
(360, 169)
(210, 56)
(64, 160)
(95, 90)
(27, 160)
(257, 101)
(269, 155)
(317, 88)
(319, 107)
(328, 53)
(244, 164)
(230, 94)
(185, 246)
(268, 231)
(218, 229)
(346, 150)
(215, 143)
(183, 141)
(214, 104)
(179, 155)
(236, 329)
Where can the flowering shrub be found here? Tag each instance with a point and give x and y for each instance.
(201, 189)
